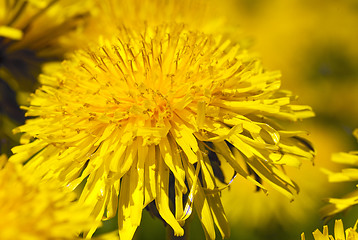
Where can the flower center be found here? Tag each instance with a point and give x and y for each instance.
(150, 104)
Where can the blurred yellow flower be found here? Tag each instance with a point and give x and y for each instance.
(347, 174)
(150, 116)
(31, 209)
(339, 233)
(209, 16)
(32, 33)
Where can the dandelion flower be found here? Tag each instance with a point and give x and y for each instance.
(149, 116)
(339, 233)
(337, 205)
(31, 209)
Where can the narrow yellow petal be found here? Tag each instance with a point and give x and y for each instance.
(339, 230)
(94, 188)
(125, 227)
(266, 172)
(186, 140)
(214, 200)
(190, 201)
(172, 161)
(10, 32)
(247, 107)
(106, 133)
(224, 154)
(201, 204)
(219, 216)
(201, 114)
(241, 146)
(303, 236)
(24, 152)
(150, 175)
(116, 158)
(127, 160)
(94, 194)
(112, 205)
(206, 170)
(179, 210)
(218, 132)
(345, 158)
(137, 184)
(325, 231)
(162, 200)
(319, 236)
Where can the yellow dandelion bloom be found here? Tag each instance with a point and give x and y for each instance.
(31, 209)
(337, 205)
(148, 117)
(339, 233)
(31, 34)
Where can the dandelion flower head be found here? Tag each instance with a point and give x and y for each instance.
(337, 205)
(148, 117)
(31, 209)
(339, 233)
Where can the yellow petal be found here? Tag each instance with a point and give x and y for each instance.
(149, 175)
(125, 227)
(9, 32)
(303, 236)
(339, 230)
(112, 205)
(224, 154)
(319, 236)
(162, 200)
(127, 160)
(137, 184)
(179, 210)
(172, 160)
(117, 157)
(186, 140)
(201, 204)
(266, 172)
(219, 215)
(201, 114)
(190, 201)
(345, 158)
(25, 152)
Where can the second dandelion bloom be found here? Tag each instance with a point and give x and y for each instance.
(339, 233)
(349, 174)
(32, 209)
(148, 117)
